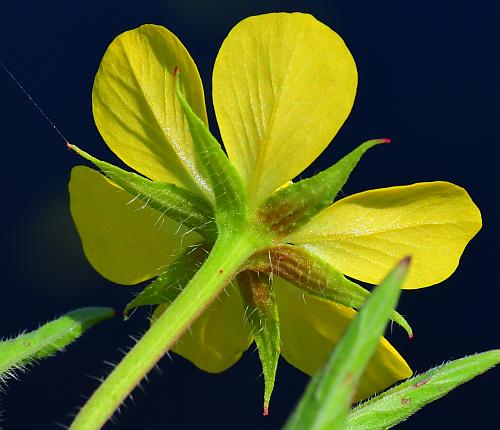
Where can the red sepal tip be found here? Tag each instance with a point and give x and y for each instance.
(406, 260)
(265, 413)
(385, 140)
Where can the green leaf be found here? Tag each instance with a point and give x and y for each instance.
(327, 399)
(316, 276)
(227, 185)
(397, 404)
(179, 204)
(167, 286)
(262, 314)
(54, 336)
(291, 207)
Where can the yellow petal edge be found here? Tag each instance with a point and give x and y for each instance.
(126, 241)
(137, 112)
(366, 234)
(283, 85)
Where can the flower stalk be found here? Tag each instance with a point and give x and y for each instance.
(227, 256)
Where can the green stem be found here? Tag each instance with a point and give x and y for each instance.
(227, 256)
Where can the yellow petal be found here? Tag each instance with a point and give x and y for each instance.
(126, 241)
(366, 234)
(310, 327)
(135, 108)
(219, 336)
(283, 84)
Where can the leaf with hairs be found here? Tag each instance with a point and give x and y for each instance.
(45, 341)
(397, 404)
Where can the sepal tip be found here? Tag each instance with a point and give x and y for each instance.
(405, 261)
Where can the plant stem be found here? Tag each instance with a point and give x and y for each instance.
(229, 253)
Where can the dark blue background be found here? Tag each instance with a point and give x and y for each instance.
(428, 75)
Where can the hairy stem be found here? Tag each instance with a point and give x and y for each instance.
(227, 256)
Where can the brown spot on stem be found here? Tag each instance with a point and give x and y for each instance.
(420, 383)
(405, 401)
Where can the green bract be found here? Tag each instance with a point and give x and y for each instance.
(235, 251)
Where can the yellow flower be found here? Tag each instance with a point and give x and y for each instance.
(283, 84)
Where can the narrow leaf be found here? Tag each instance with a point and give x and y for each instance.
(179, 204)
(316, 276)
(262, 314)
(291, 207)
(227, 185)
(327, 399)
(167, 286)
(397, 404)
(48, 339)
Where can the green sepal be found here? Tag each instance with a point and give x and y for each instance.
(17, 353)
(262, 314)
(291, 207)
(316, 276)
(167, 286)
(181, 205)
(397, 404)
(227, 185)
(329, 395)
